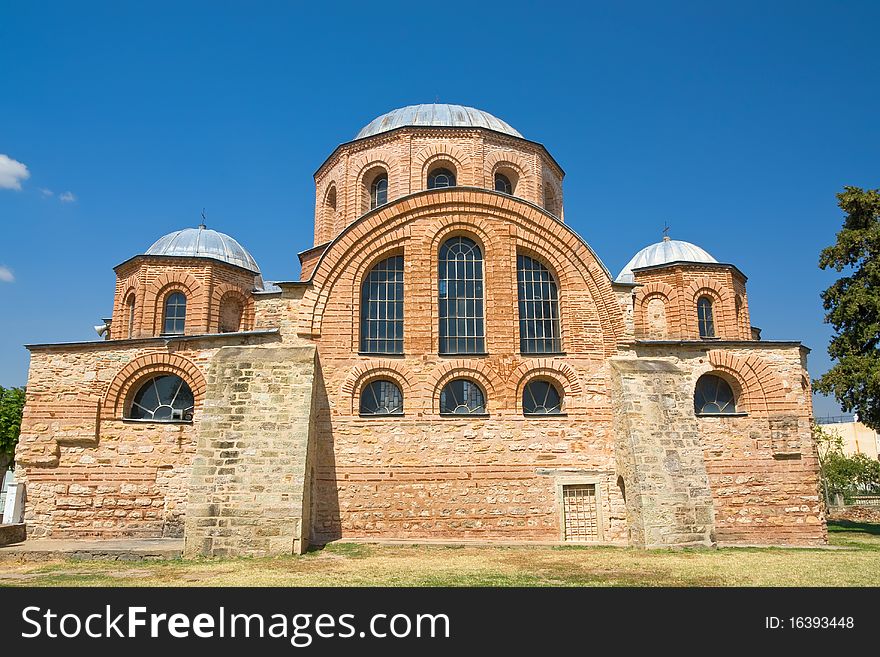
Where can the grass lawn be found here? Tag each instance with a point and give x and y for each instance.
(857, 563)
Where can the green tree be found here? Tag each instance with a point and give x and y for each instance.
(852, 307)
(11, 407)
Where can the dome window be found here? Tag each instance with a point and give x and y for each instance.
(502, 184)
(440, 178)
(379, 191)
(705, 318)
(175, 314)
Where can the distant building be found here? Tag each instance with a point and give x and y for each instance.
(857, 438)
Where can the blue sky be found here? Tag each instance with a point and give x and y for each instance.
(735, 122)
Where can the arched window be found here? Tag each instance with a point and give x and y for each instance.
(130, 305)
(461, 297)
(713, 396)
(551, 204)
(379, 191)
(541, 398)
(539, 331)
(231, 313)
(175, 314)
(462, 397)
(441, 178)
(382, 397)
(382, 308)
(704, 317)
(330, 206)
(164, 398)
(502, 184)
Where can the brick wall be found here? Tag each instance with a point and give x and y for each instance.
(408, 154)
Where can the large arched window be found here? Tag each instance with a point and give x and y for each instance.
(541, 397)
(382, 397)
(502, 184)
(382, 308)
(713, 396)
(460, 282)
(163, 398)
(131, 308)
(175, 314)
(441, 178)
(704, 317)
(539, 330)
(462, 397)
(379, 191)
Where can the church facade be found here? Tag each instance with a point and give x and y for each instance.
(453, 363)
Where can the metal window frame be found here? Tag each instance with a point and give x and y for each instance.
(385, 308)
(473, 339)
(537, 291)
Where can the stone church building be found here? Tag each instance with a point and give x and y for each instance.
(453, 363)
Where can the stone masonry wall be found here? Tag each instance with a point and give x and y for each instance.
(659, 455)
(249, 490)
(90, 473)
(762, 465)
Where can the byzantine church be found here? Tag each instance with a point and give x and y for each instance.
(453, 363)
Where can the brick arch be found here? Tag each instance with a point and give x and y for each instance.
(158, 289)
(364, 373)
(363, 268)
(563, 374)
(365, 177)
(669, 296)
(477, 371)
(723, 310)
(219, 294)
(127, 379)
(325, 220)
(429, 155)
(469, 209)
(763, 391)
(128, 285)
(501, 159)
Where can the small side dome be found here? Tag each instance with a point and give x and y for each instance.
(438, 115)
(662, 253)
(202, 242)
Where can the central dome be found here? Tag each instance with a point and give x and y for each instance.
(438, 115)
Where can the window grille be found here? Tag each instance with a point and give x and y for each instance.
(175, 313)
(382, 308)
(704, 317)
(462, 328)
(539, 329)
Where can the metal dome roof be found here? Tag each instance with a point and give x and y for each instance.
(202, 242)
(436, 114)
(659, 254)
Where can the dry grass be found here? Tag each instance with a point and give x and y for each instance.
(348, 564)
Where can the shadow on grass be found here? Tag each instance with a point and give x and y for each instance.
(841, 526)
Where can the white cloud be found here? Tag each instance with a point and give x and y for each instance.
(6, 275)
(67, 197)
(46, 192)
(12, 172)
